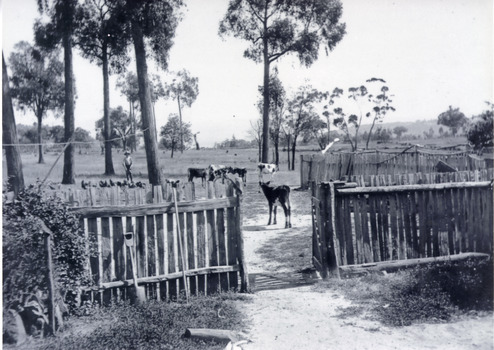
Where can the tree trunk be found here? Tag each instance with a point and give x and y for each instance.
(181, 128)
(259, 144)
(68, 165)
(329, 129)
(276, 152)
(288, 150)
(265, 112)
(40, 146)
(294, 143)
(15, 180)
(133, 128)
(197, 143)
(109, 170)
(370, 133)
(148, 125)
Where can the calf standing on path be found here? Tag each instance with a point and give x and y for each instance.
(127, 163)
(278, 195)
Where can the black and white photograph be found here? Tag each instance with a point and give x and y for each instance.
(247, 174)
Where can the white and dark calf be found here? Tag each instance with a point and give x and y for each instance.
(215, 170)
(266, 169)
(278, 195)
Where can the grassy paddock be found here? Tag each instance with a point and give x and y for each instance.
(154, 325)
(91, 166)
(435, 293)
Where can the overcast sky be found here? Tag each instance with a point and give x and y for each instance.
(432, 53)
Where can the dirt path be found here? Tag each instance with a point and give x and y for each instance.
(302, 318)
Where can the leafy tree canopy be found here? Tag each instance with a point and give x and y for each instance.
(183, 87)
(284, 26)
(170, 133)
(100, 35)
(37, 79)
(480, 131)
(453, 119)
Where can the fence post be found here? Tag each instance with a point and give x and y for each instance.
(244, 275)
(302, 182)
(49, 276)
(333, 246)
(417, 165)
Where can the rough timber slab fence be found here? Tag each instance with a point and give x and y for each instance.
(379, 167)
(210, 229)
(353, 226)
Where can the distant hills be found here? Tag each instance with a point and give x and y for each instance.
(414, 128)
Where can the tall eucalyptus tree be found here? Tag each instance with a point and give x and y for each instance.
(184, 88)
(15, 181)
(276, 28)
(37, 83)
(152, 27)
(60, 30)
(103, 40)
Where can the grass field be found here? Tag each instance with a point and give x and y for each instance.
(90, 167)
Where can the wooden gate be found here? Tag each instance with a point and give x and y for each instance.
(365, 225)
(212, 246)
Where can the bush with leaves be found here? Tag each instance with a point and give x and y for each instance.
(432, 293)
(24, 252)
(479, 133)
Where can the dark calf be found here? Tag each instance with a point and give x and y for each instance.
(275, 195)
(197, 172)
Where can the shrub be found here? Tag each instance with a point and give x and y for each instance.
(422, 294)
(24, 254)
(153, 325)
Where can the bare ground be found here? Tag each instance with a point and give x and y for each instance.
(303, 318)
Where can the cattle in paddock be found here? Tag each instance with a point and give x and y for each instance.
(197, 172)
(277, 195)
(265, 169)
(215, 171)
(220, 173)
(242, 173)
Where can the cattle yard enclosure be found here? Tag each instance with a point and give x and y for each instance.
(367, 225)
(377, 168)
(212, 246)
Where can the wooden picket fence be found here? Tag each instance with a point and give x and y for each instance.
(363, 225)
(345, 165)
(210, 232)
(420, 178)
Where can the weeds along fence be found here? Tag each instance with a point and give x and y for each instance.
(382, 164)
(368, 225)
(210, 232)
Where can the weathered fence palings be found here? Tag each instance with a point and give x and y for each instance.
(374, 224)
(210, 229)
(341, 165)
